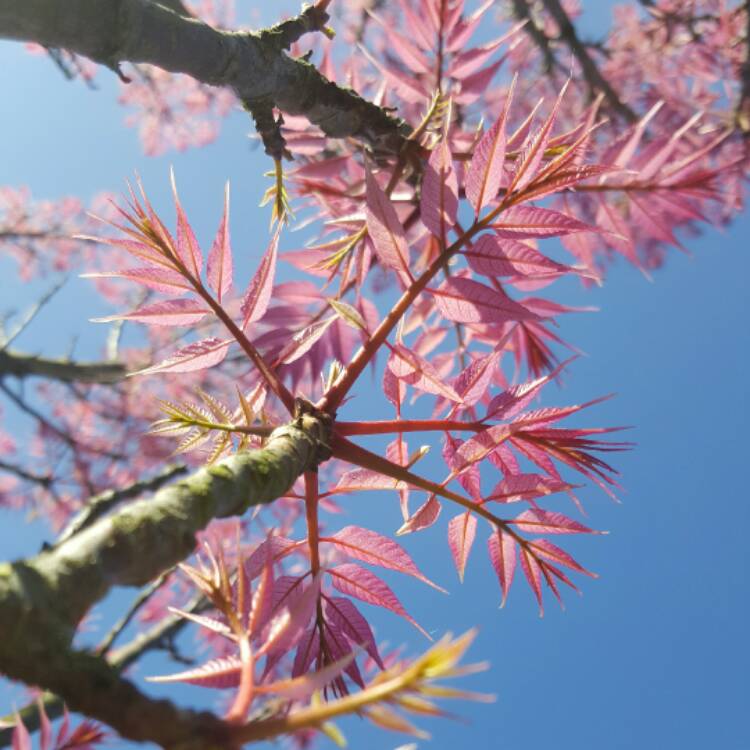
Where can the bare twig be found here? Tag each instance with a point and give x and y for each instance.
(594, 77)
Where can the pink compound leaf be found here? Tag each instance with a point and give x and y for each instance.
(355, 581)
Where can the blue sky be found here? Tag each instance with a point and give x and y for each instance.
(655, 652)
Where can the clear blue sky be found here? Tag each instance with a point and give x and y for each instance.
(653, 654)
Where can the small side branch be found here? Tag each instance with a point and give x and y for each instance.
(65, 370)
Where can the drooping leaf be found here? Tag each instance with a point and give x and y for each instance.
(462, 530)
(217, 673)
(187, 247)
(467, 301)
(525, 222)
(502, 549)
(422, 518)
(352, 623)
(439, 200)
(355, 581)
(173, 312)
(375, 549)
(538, 521)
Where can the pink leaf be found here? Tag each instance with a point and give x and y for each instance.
(375, 549)
(285, 627)
(532, 571)
(492, 256)
(521, 222)
(353, 580)
(502, 549)
(422, 518)
(304, 340)
(187, 248)
(199, 355)
(486, 167)
(466, 301)
(219, 266)
(258, 295)
(351, 622)
(385, 229)
(217, 673)
(461, 533)
(439, 201)
(173, 312)
(544, 548)
(537, 521)
(21, 737)
(156, 278)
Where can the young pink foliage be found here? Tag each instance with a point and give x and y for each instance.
(199, 355)
(467, 301)
(173, 312)
(385, 230)
(258, 294)
(439, 202)
(219, 267)
(353, 580)
(462, 530)
(502, 549)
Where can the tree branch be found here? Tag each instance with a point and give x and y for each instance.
(101, 504)
(42, 599)
(254, 65)
(66, 370)
(592, 74)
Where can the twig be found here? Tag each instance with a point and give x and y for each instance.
(21, 473)
(65, 370)
(30, 314)
(592, 74)
(523, 13)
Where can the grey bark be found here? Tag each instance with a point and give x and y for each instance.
(254, 65)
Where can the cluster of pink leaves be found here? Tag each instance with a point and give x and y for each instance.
(458, 231)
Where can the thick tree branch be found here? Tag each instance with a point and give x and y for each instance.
(104, 502)
(254, 65)
(66, 370)
(42, 599)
